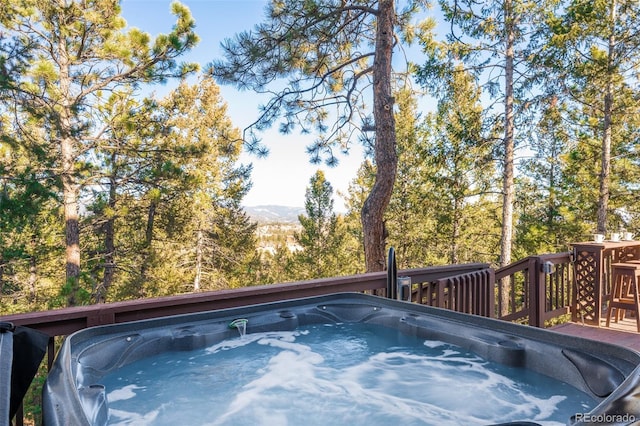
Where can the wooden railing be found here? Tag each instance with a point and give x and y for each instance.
(61, 322)
(539, 290)
(472, 293)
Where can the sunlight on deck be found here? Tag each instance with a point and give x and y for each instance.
(622, 333)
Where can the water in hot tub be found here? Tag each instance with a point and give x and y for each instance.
(342, 374)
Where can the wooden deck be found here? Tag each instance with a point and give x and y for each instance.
(624, 333)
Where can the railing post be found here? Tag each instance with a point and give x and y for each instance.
(537, 293)
(102, 316)
(491, 291)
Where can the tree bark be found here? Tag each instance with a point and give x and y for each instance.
(109, 243)
(386, 158)
(199, 250)
(508, 191)
(33, 271)
(151, 214)
(455, 231)
(146, 252)
(71, 220)
(70, 188)
(605, 166)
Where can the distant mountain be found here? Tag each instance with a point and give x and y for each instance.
(270, 214)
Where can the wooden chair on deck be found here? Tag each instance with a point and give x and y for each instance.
(624, 292)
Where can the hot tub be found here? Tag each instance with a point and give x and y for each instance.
(99, 368)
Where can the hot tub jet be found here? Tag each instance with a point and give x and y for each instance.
(239, 324)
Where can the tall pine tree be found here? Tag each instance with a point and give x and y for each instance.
(322, 238)
(593, 56)
(335, 56)
(79, 50)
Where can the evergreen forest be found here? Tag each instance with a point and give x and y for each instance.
(108, 193)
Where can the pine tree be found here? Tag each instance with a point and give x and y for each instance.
(28, 223)
(410, 217)
(356, 195)
(330, 51)
(208, 149)
(461, 161)
(323, 235)
(172, 204)
(277, 266)
(28, 210)
(551, 187)
(494, 41)
(592, 56)
(79, 50)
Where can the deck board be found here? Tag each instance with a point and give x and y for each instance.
(623, 333)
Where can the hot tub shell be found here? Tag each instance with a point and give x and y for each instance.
(73, 395)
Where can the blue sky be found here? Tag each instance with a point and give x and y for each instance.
(282, 177)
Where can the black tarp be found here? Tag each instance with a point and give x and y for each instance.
(21, 352)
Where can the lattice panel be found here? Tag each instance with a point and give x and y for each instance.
(586, 287)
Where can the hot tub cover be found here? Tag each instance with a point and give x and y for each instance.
(21, 351)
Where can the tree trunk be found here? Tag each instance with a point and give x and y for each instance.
(71, 219)
(508, 190)
(455, 231)
(109, 243)
(33, 274)
(151, 214)
(70, 187)
(146, 252)
(199, 249)
(386, 157)
(605, 167)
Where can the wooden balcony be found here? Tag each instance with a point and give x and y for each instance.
(538, 291)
